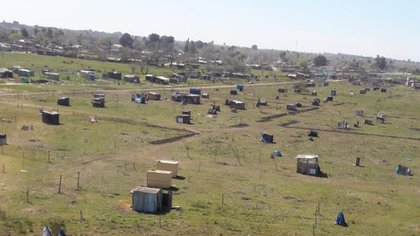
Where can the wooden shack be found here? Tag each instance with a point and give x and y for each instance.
(236, 104)
(153, 95)
(98, 100)
(159, 178)
(183, 119)
(148, 200)
(233, 92)
(291, 107)
(368, 122)
(168, 165)
(307, 164)
(3, 139)
(63, 101)
(50, 117)
(192, 98)
(403, 170)
(131, 79)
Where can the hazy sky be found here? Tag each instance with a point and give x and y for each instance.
(361, 27)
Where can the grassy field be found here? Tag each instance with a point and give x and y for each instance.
(231, 185)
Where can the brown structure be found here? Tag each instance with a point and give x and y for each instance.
(159, 178)
(168, 165)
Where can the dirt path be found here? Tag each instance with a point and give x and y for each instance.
(159, 88)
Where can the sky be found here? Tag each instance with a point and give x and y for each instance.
(387, 28)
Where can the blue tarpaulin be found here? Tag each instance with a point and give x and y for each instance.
(340, 219)
(277, 153)
(240, 87)
(267, 138)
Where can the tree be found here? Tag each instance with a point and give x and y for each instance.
(187, 46)
(380, 62)
(320, 60)
(126, 40)
(24, 33)
(153, 38)
(302, 63)
(254, 47)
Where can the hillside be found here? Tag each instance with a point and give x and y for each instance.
(78, 175)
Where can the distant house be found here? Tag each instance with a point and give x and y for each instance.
(307, 164)
(52, 75)
(131, 79)
(88, 74)
(291, 107)
(186, 98)
(50, 117)
(63, 101)
(98, 100)
(3, 139)
(153, 96)
(5, 73)
(116, 48)
(195, 91)
(157, 79)
(24, 72)
(114, 75)
(235, 104)
(183, 118)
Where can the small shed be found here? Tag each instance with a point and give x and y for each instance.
(149, 77)
(131, 79)
(98, 102)
(325, 83)
(333, 92)
(362, 91)
(403, 170)
(368, 122)
(281, 90)
(50, 117)
(291, 107)
(316, 102)
(358, 112)
(159, 178)
(383, 90)
(52, 75)
(195, 91)
(63, 101)
(153, 95)
(329, 98)
(148, 200)
(261, 102)
(314, 93)
(233, 92)
(236, 104)
(139, 98)
(192, 98)
(312, 133)
(6, 73)
(3, 139)
(114, 75)
(169, 165)
(267, 138)
(307, 164)
(240, 87)
(310, 85)
(183, 119)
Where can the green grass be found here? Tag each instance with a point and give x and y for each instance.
(231, 186)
